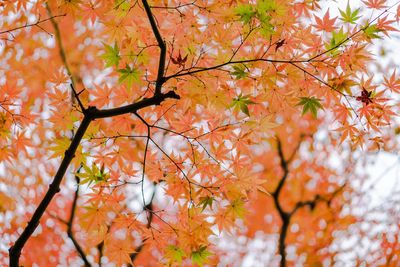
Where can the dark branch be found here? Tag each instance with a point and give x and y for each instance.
(149, 209)
(161, 44)
(54, 188)
(100, 249)
(63, 56)
(60, 44)
(194, 70)
(317, 198)
(37, 23)
(284, 215)
(285, 168)
(155, 100)
(90, 114)
(71, 222)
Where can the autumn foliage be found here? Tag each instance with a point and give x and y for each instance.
(179, 133)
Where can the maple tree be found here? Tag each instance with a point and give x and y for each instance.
(148, 132)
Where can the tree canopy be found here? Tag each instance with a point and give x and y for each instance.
(177, 132)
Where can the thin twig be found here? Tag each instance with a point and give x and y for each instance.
(31, 24)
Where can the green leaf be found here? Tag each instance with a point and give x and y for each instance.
(371, 31)
(244, 109)
(348, 15)
(310, 104)
(174, 253)
(264, 9)
(200, 256)
(237, 207)
(241, 103)
(245, 12)
(206, 201)
(111, 56)
(239, 71)
(265, 6)
(262, 12)
(121, 8)
(92, 175)
(338, 39)
(128, 75)
(267, 28)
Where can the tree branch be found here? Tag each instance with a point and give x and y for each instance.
(285, 168)
(61, 49)
(63, 56)
(90, 114)
(161, 44)
(317, 198)
(70, 224)
(284, 215)
(131, 108)
(149, 209)
(54, 188)
(37, 23)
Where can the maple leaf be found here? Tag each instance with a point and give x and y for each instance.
(174, 254)
(237, 208)
(385, 24)
(60, 145)
(338, 38)
(393, 83)
(241, 102)
(342, 112)
(310, 104)
(246, 12)
(326, 23)
(21, 142)
(348, 15)
(119, 250)
(200, 256)
(206, 201)
(128, 75)
(348, 130)
(264, 124)
(92, 10)
(343, 83)
(239, 71)
(365, 97)
(371, 31)
(92, 175)
(179, 60)
(58, 76)
(375, 4)
(111, 55)
(279, 44)
(70, 6)
(102, 96)
(95, 221)
(121, 8)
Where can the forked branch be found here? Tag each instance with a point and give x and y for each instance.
(90, 114)
(286, 216)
